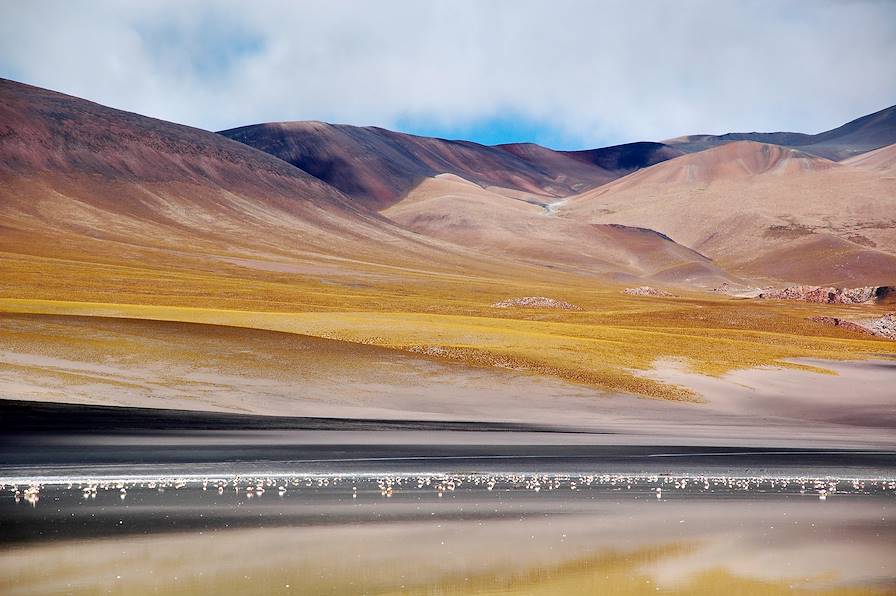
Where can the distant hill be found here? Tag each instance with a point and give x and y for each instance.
(84, 186)
(455, 210)
(378, 167)
(853, 138)
(881, 160)
(761, 211)
(624, 159)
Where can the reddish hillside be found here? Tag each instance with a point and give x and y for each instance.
(457, 211)
(577, 173)
(379, 167)
(761, 210)
(593, 167)
(880, 160)
(82, 183)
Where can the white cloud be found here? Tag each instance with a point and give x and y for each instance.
(599, 72)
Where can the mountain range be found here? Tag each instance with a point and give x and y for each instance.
(369, 236)
(853, 138)
(116, 187)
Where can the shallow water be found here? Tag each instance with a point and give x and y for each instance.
(446, 533)
(140, 503)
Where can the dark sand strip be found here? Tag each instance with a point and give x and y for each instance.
(29, 417)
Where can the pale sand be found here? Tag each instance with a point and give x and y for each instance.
(206, 367)
(761, 211)
(125, 362)
(861, 394)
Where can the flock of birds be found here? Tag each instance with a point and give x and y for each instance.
(256, 486)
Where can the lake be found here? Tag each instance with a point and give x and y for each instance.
(438, 512)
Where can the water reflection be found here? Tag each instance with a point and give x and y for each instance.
(449, 534)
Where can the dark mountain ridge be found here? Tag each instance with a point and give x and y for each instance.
(853, 138)
(378, 167)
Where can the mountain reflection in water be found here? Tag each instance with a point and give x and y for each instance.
(450, 534)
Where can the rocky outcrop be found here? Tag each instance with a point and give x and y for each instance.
(646, 291)
(535, 302)
(737, 290)
(842, 323)
(867, 294)
(885, 326)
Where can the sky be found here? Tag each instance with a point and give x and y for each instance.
(562, 73)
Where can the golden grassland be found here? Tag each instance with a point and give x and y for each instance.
(447, 315)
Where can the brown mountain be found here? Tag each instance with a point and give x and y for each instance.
(853, 138)
(761, 211)
(379, 167)
(458, 211)
(594, 166)
(84, 187)
(881, 160)
(624, 159)
(85, 184)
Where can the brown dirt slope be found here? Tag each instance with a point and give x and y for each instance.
(761, 211)
(880, 160)
(458, 211)
(378, 167)
(853, 138)
(84, 187)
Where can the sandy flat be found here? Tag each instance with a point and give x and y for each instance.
(860, 394)
(156, 364)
